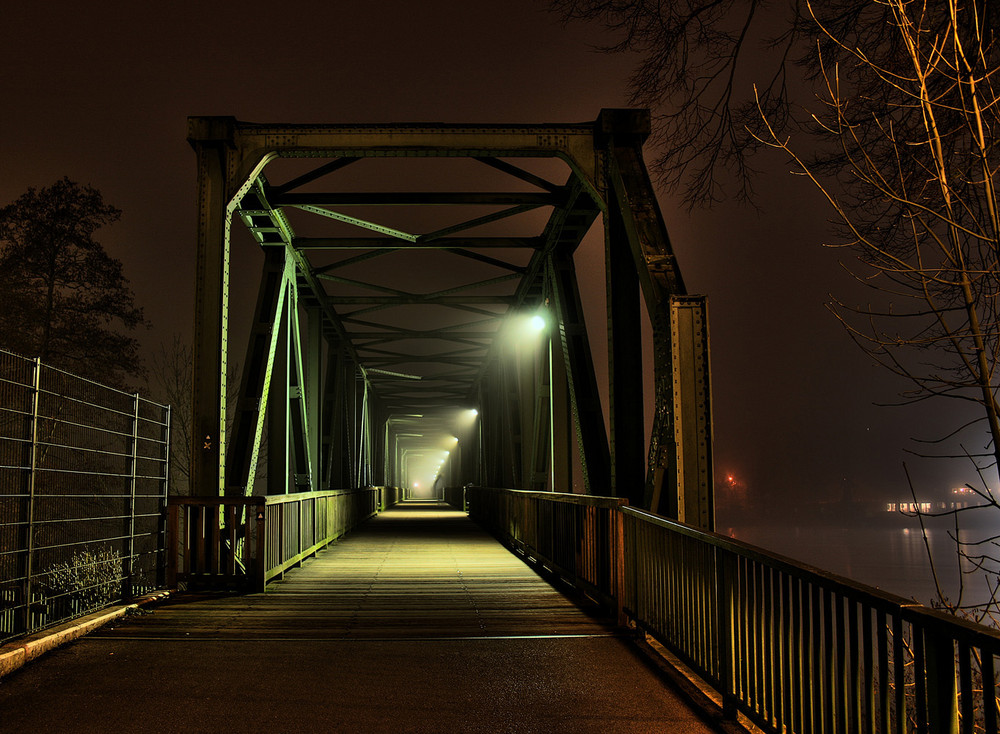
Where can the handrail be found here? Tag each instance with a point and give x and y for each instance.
(249, 541)
(792, 647)
(576, 536)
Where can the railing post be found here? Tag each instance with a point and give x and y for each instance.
(942, 693)
(618, 562)
(171, 544)
(260, 568)
(724, 624)
(29, 560)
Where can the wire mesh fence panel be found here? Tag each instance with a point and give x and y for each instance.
(83, 477)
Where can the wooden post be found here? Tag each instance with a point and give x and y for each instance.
(172, 545)
(260, 568)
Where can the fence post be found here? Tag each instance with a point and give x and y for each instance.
(163, 540)
(171, 543)
(36, 384)
(127, 591)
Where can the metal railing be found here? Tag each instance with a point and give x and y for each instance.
(247, 542)
(576, 536)
(455, 496)
(791, 647)
(83, 477)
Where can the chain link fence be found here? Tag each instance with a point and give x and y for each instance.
(83, 478)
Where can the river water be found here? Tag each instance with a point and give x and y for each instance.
(893, 558)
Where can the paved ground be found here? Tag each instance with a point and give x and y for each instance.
(418, 622)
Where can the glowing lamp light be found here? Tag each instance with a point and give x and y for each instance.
(537, 322)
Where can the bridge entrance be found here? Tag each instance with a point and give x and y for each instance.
(419, 320)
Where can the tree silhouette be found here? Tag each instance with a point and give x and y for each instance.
(65, 299)
(707, 68)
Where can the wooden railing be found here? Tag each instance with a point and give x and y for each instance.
(791, 647)
(247, 542)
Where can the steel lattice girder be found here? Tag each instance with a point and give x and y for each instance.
(355, 401)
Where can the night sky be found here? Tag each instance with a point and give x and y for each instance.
(100, 92)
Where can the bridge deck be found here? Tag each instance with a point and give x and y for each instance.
(417, 622)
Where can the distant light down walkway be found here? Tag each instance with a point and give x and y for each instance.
(417, 622)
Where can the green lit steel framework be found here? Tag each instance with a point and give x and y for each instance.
(351, 376)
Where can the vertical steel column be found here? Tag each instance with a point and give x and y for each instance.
(258, 368)
(278, 470)
(334, 412)
(541, 444)
(627, 437)
(314, 388)
(350, 443)
(584, 397)
(667, 492)
(212, 140)
(513, 439)
(561, 422)
(692, 410)
(298, 415)
(380, 476)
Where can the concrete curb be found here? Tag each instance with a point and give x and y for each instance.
(15, 654)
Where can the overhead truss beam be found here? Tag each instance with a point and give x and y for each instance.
(337, 386)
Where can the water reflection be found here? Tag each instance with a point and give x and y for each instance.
(894, 558)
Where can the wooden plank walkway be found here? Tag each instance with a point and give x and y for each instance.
(417, 622)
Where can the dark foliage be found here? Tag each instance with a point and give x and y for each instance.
(65, 299)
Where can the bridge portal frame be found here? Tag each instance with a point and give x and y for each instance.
(609, 178)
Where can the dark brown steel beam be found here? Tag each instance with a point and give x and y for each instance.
(381, 243)
(334, 165)
(520, 173)
(415, 198)
(414, 299)
(435, 334)
(627, 438)
(584, 395)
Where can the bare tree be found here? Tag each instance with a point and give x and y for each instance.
(706, 67)
(915, 196)
(170, 382)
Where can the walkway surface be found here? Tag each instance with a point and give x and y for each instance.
(417, 622)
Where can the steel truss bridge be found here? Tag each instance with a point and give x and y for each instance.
(419, 321)
(403, 268)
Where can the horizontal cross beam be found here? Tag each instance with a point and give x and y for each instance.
(391, 243)
(416, 198)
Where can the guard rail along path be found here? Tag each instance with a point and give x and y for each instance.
(83, 481)
(791, 647)
(246, 542)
